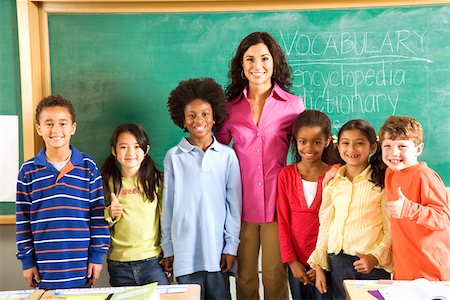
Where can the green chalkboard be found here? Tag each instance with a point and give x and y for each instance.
(9, 74)
(351, 63)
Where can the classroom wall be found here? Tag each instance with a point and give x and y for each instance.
(10, 267)
(10, 273)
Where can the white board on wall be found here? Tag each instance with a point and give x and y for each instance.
(9, 157)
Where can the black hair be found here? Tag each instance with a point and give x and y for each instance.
(149, 177)
(375, 160)
(282, 72)
(205, 89)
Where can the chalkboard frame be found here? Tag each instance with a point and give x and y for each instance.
(34, 43)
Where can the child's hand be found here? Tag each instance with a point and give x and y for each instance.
(329, 175)
(311, 273)
(365, 263)
(299, 272)
(395, 207)
(115, 209)
(168, 264)
(227, 262)
(93, 272)
(321, 281)
(31, 275)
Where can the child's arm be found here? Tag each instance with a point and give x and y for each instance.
(93, 272)
(381, 254)
(284, 220)
(227, 262)
(432, 211)
(24, 237)
(114, 210)
(365, 263)
(167, 210)
(168, 263)
(98, 226)
(299, 272)
(321, 280)
(330, 174)
(319, 257)
(233, 209)
(31, 276)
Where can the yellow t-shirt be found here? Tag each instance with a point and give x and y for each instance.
(135, 234)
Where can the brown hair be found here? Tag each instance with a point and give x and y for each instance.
(403, 128)
(53, 101)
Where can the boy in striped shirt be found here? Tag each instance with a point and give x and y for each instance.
(61, 233)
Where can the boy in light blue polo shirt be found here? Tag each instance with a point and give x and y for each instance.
(202, 199)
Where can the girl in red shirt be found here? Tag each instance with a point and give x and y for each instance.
(299, 197)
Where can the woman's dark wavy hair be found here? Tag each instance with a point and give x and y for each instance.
(375, 160)
(206, 89)
(314, 118)
(149, 178)
(282, 72)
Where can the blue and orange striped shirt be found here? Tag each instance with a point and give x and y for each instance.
(60, 226)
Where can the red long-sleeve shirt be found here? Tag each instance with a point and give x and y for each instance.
(298, 224)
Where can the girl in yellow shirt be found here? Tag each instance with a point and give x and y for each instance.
(354, 240)
(133, 188)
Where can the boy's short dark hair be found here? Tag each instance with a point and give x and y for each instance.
(403, 128)
(205, 89)
(52, 101)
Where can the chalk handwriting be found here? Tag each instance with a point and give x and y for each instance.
(345, 73)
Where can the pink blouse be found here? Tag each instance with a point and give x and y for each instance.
(261, 149)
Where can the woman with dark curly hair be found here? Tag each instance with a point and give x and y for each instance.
(202, 199)
(261, 112)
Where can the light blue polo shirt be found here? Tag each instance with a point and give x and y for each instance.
(202, 206)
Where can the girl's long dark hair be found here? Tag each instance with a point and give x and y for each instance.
(282, 73)
(375, 160)
(149, 178)
(314, 118)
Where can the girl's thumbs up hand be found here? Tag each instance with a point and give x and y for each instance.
(115, 209)
(395, 207)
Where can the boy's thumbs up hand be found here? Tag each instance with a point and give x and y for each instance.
(395, 207)
(115, 209)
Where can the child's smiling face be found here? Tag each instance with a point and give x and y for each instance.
(198, 119)
(56, 127)
(129, 154)
(354, 148)
(311, 142)
(400, 154)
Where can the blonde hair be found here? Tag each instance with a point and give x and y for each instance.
(402, 127)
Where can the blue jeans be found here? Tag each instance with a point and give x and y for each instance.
(299, 291)
(138, 272)
(342, 268)
(214, 285)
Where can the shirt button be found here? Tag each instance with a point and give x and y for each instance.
(259, 183)
(259, 167)
(258, 134)
(257, 150)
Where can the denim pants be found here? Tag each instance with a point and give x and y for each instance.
(342, 268)
(214, 285)
(299, 291)
(133, 273)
